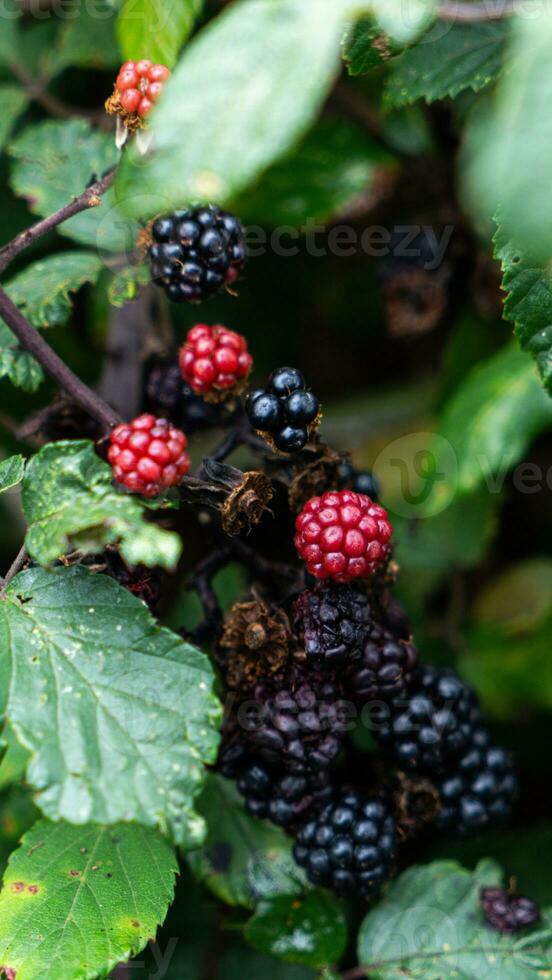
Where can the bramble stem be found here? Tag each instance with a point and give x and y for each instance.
(34, 343)
(14, 568)
(90, 198)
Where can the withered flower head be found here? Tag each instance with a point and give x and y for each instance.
(246, 503)
(317, 476)
(258, 638)
(416, 803)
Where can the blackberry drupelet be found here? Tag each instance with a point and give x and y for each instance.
(285, 411)
(508, 913)
(299, 722)
(350, 846)
(478, 789)
(333, 622)
(168, 395)
(197, 252)
(361, 481)
(387, 667)
(433, 722)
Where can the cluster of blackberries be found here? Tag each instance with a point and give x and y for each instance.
(196, 252)
(285, 410)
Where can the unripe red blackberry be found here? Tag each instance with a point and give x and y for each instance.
(333, 622)
(342, 535)
(350, 846)
(138, 87)
(506, 912)
(214, 360)
(148, 455)
(196, 252)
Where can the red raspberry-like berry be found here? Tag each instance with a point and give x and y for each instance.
(342, 535)
(214, 359)
(148, 455)
(139, 84)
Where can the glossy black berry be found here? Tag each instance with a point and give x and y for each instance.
(366, 483)
(285, 380)
(477, 789)
(386, 668)
(264, 411)
(291, 439)
(349, 846)
(196, 252)
(301, 407)
(333, 622)
(432, 722)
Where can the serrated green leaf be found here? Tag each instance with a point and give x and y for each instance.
(123, 715)
(125, 285)
(243, 859)
(69, 502)
(13, 101)
(156, 28)
(251, 51)
(528, 303)
(77, 901)
(86, 40)
(43, 290)
(11, 472)
(430, 925)
(335, 162)
(16, 365)
(308, 929)
(509, 146)
(53, 162)
(447, 60)
(364, 48)
(493, 417)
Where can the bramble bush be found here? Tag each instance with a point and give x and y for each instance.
(275, 481)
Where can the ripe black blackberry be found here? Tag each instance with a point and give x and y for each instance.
(349, 846)
(361, 481)
(142, 582)
(478, 789)
(297, 721)
(168, 396)
(506, 912)
(284, 798)
(387, 668)
(285, 412)
(333, 622)
(434, 721)
(196, 252)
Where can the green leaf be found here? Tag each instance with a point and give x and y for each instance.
(492, 419)
(430, 925)
(123, 715)
(17, 814)
(243, 859)
(11, 13)
(16, 365)
(364, 47)
(309, 929)
(11, 472)
(276, 62)
(43, 290)
(446, 61)
(13, 102)
(336, 162)
(69, 502)
(509, 149)
(528, 303)
(15, 760)
(77, 901)
(53, 162)
(518, 600)
(156, 28)
(86, 40)
(125, 285)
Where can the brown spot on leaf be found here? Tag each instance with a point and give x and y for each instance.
(8, 973)
(74, 873)
(109, 874)
(33, 889)
(18, 886)
(134, 923)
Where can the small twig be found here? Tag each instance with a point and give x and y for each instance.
(90, 198)
(201, 583)
(473, 12)
(14, 568)
(33, 342)
(36, 89)
(263, 568)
